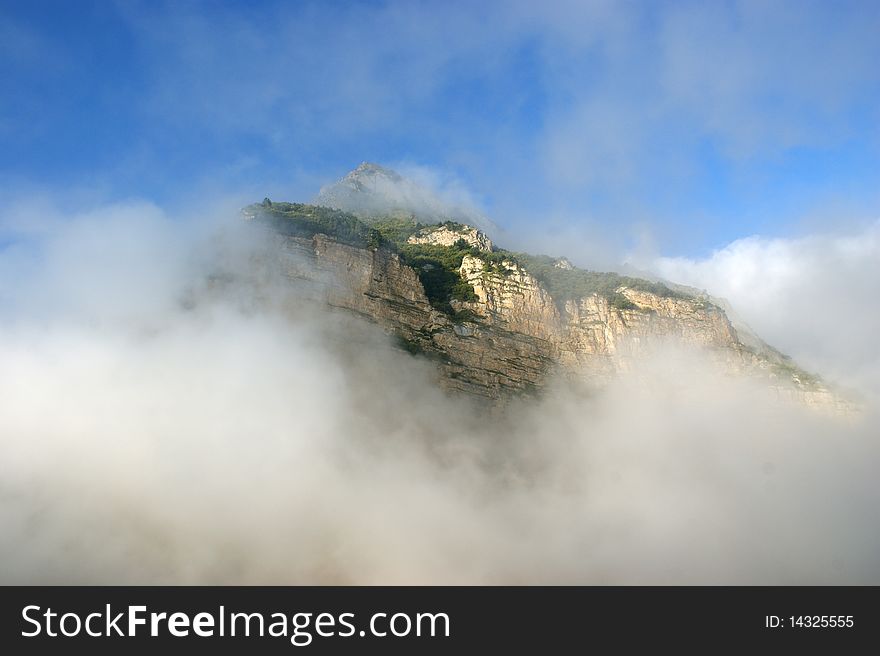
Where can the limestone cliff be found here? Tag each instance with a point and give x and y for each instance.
(514, 335)
(472, 357)
(449, 234)
(498, 323)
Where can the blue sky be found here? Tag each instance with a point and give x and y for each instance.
(676, 126)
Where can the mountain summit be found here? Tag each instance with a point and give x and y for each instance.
(371, 190)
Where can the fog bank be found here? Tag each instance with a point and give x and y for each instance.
(170, 414)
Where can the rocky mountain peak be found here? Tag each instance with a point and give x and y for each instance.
(372, 191)
(370, 168)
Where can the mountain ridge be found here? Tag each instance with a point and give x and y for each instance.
(498, 323)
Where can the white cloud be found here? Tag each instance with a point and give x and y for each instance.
(810, 296)
(767, 76)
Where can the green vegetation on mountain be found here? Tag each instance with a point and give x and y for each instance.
(569, 284)
(303, 220)
(397, 229)
(438, 266)
(786, 369)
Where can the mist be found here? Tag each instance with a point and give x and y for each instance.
(426, 193)
(173, 411)
(808, 295)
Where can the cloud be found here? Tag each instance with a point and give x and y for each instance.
(754, 77)
(810, 296)
(278, 72)
(174, 413)
(761, 76)
(429, 194)
(702, 87)
(448, 187)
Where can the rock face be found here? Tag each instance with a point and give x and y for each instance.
(445, 235)
(371, 282)
(515, 336)
(490, 324)
(472, 358)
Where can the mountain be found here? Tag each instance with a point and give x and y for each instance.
(371, 190)
(499, 323)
